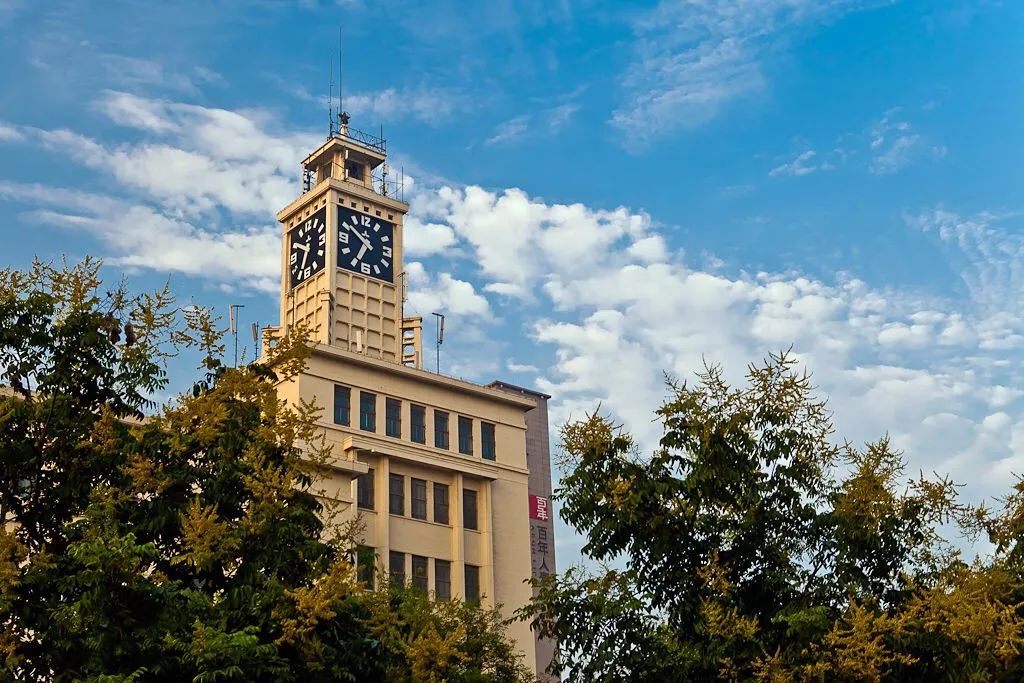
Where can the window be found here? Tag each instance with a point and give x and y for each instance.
(354, 170)
(396, 494)
(465, 435)
(396, 567)
(419, 572)
(472, 584)
(442, 579)
(364, 490)
(440, 429)
(441, 503)
(393, 417)
(342, 405)
(419, 499)
(487, 440)
(418, 423)
(469, 508)
(367, 411)
(365, 558)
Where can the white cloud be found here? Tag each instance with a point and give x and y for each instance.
(509, 130)
(804, 163)
(442, 293)
(693, 57)
(9, 133)
(895, 145)
(524, 368)
(429, 105)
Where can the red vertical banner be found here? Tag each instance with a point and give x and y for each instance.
(539, 508)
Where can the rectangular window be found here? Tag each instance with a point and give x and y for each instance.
(396, 567)
(364, 490)
(393, 417)
(472, 584)
(367, 411)
(365, 560)
(419, 499)
(418, 423)
(469, 508)
(441, 503)
(396, 494)
(442, 579)
(465, 435)
(487, 440)
(342, 405)
(440, 429)
(419, 572)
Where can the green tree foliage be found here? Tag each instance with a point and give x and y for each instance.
(755, 548)
(186, 542)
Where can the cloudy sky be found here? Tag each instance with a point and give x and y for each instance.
(601, 191)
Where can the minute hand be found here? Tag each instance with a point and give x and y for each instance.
(360, 236)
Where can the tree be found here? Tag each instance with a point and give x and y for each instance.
(183, 542)
(749, 546)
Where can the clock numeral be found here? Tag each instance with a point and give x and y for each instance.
(323, 239)
(307, 272)
(295, 257)
(386, 251)
(343, 237)
(365, 267)
(366, 221)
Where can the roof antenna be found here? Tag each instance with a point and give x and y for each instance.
(341, 76)
(330, 102)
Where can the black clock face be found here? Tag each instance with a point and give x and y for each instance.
(307, 247)
(365, 244)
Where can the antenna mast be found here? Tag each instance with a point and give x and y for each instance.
(330, 101)
(341, 76)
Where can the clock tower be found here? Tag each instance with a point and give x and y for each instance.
(341, 263)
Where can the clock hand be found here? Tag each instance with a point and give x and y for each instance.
(305, 253)
(362, 250)
(362, 238)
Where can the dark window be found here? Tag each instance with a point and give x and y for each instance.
(487, 440)
(419, 572)
(441, 503)
(396, 567)
(396, 491)
(419, 499)
(367, 411)
(469, 508)
(465, 435)
(442, 579)
(365, 560)
(364, 490)
(393, 417)
(440, 429)
(354, 170)
(342, 405)
(418, 423)
(472, 584)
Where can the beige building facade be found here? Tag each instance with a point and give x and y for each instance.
(434, 468)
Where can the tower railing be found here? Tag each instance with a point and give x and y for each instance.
(363, 138)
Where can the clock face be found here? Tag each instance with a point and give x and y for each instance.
(307, 247)
(365, 245)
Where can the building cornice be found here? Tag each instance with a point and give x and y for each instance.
(424, 377)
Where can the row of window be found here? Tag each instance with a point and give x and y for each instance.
(419, 579)
(418, 491)
(418, 422)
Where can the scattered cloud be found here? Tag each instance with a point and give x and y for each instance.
(427, 105)
(895, 145)
(132, 72)
(694, 57)
(988, 254)
(804, 163)
(509, 130)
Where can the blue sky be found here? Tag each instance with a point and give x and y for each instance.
(600, 191)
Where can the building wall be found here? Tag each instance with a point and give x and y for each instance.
(500, 545)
